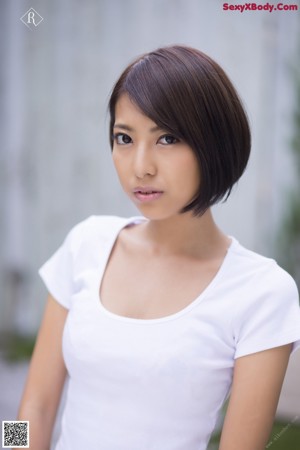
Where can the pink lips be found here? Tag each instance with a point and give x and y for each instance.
(147, 193)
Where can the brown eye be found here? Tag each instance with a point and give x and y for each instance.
(122, 139)
(168, 139)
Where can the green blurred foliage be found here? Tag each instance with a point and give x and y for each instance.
(17, 348)
(284, 436)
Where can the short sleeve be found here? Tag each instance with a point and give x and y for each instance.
(58, 271)
(272, 315)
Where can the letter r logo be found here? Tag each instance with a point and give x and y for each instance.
(31, 19)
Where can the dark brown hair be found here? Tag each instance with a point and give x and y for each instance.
(185, 92)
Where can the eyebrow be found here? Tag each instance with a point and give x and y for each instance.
(123, 126)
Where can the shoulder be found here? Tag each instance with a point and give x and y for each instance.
(266, 303)
(263, 273)
(97, 227)
(263, 290)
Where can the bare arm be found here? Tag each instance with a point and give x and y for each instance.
(46, 377)
(257, 382)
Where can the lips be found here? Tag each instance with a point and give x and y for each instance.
(146, 190)
(147, 193)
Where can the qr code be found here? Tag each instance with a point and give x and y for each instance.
(15, 433)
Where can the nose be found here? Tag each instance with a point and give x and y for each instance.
(144, 163)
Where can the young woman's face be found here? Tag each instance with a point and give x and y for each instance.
(157, 171)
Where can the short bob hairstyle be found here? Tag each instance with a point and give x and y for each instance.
(189, 95)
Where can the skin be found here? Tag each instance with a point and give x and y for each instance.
(185, 245)
(144, 154)
(45, 378)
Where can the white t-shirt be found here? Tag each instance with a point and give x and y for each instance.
(159, 383)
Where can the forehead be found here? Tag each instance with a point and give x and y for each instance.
(128, 113)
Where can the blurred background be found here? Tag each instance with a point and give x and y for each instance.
(55, 162)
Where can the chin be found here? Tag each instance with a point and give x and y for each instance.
(157, 214)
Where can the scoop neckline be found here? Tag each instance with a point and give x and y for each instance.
(176, 315)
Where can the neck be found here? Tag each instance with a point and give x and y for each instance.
(185, 234)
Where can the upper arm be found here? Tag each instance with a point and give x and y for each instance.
(257, 382)
(47, 370)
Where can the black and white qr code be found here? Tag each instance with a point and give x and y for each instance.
(15, 433)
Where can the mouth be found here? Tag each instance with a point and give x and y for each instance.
(144, 194)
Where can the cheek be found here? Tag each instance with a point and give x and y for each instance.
(119, 163)
(188, 172)
(120, 167)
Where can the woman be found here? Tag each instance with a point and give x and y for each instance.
(158, 318)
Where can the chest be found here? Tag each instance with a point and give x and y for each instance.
(148, 288)
(165, 366)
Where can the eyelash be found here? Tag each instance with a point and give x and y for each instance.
(120, 135)
(171, 136)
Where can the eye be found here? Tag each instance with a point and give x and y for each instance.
(122, 138)
(168, 139)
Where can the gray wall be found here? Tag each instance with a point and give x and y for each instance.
(55, 166)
